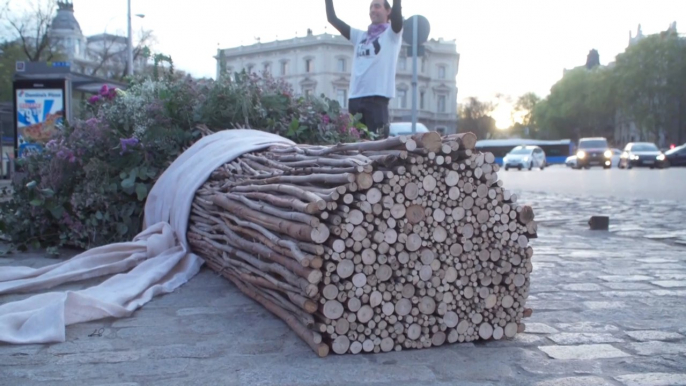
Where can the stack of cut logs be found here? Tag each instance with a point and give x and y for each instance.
(406, 242)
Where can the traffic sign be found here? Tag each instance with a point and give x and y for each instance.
(423, 29)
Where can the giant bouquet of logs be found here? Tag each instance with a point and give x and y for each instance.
(406, 242)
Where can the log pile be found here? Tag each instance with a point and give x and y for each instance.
(407, 242)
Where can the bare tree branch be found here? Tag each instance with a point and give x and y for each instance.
(31, 27)
(145, 39)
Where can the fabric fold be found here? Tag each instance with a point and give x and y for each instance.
(157, 261)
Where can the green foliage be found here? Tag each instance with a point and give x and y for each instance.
(581, 104)
(12, 53)
(647, 84)
(651, 80)
(89, 185)
(475, 117)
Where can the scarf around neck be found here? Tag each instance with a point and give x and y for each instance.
(375, 30)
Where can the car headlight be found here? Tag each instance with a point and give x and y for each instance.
(608, 154)
(634, 157)
(526, 159)
(661, 157)
(581, 155)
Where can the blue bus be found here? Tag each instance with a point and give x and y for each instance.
(556, 152)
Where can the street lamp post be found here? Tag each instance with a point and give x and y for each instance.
(130, 42)
(129, 45)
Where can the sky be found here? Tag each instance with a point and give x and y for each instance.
(507, 47)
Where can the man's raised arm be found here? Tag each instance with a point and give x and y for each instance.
(342, 27)
(397, 16)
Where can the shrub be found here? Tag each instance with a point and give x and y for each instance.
(89, 184)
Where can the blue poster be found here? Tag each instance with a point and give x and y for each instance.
(40, 113)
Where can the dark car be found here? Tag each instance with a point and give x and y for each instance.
(642, 154)
(593, 152)
(676, 156)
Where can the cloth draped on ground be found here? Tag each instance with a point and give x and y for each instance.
(157, 261)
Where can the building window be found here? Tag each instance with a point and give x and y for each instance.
(341, 65)
(250, 68)
(402, 63)
(423, 65)
(441, 72)
(441, 103)
(402, 99)
(342, 97)
(267, 68)
(308, 92)
(421, 100)
(309, 65)
(284, 68)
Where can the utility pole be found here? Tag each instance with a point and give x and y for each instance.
(414, 74)
(130, 42)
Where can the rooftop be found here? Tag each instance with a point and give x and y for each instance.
(434, 45)
(65, 20)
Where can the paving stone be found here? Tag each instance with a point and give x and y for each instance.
(540, 328)
(652, 379)
(648, 335)
(568, 338)
(586, 287)
(587, 327)
(629, 286)
(657, 260)
(311, 374)
(576, 381)
(541, 305)
(678, 293)
(671, 275)
(621, 279)
(585, 352)
(605, 305)
(627, 294)
(192, 311)
(670, 283)
(658, 348)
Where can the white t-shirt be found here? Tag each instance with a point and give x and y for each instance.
(374, 64)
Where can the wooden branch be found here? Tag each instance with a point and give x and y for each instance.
(315, 201)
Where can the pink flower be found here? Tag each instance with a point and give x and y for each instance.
(94, 99)
(325, 119)
(104, 90)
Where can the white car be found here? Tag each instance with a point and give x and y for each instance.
(405, 128)
(616, 153)
(528, 157)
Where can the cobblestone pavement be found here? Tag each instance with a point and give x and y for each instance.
(609, 309)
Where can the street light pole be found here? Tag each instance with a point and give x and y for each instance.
(130, 42)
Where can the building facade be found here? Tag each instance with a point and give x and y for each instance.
(320, 64)
(102, 55)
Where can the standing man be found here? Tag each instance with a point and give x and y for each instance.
(372, 83)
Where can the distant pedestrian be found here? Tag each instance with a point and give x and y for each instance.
(375, 59)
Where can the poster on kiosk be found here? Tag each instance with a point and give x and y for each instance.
(40, 111)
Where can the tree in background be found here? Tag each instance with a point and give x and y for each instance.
(525, 126)
(30, 28)
(475, 116)
(12, 53)
(109, 57)
(647, 85)
(581, 104)
(651, 85)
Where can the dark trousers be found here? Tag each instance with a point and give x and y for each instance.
(374, 112)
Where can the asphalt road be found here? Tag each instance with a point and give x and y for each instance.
(638, 183)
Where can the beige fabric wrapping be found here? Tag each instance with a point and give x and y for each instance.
(157, 261)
